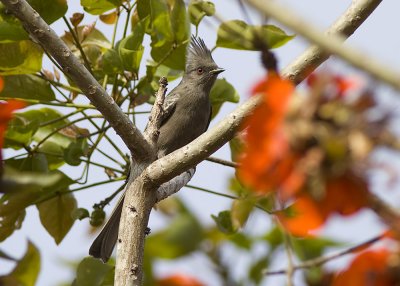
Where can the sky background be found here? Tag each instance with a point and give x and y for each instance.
(377, 38)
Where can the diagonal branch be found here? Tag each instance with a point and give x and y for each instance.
(333, 44)
(318, 261)
(177, 162)
(41, 32)
(346, 25)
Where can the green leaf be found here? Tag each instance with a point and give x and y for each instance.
(111, 63)
(169, 32)
(181, 237)
(238, 188)
(23, 188)
(167, 72)
(93, 42)
(93, 272)
(56, 215)
(240, 211)
(222, 91)
(62, 140)
(22, 57)
(27, 270)
(131, 49)
(170, 54)
(75, 151)
(10, 222)
(236, 145)
(274, 238)
(24, 178)
(198, 9)
(179, 21)
(19, 132)
(27, 87)
(12, 208)
(236, 34)
(80, 213)
(160, 22)
(143, 8)
(10, 27)
(241, 240)
(50, 10)
(256, 269)
(309, 248)
(97, 217)
(224, 222)
(98, 7)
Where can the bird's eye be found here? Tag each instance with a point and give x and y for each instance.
(200, 71)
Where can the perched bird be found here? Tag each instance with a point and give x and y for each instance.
(187, 114)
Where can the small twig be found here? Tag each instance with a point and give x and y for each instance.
(324, 259)
(223, 162)
(78, 45)
(227, 196)
(246, 15)
(388, 214)
(44, 102)
(107, 200)
(289, 254)
(152, 130)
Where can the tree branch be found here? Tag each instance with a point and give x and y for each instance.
(175, 163)
(333, 43)
(190, 155)
(346, 25)
(222, 162)
(152, 130)
(324, 259)
(73, 68)
(389, 215)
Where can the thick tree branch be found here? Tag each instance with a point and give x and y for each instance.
(333, 43)
(41, 32)
(346, 25)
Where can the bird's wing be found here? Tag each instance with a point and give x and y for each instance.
(209, 118)
(169, 108)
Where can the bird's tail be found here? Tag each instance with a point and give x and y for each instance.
(102, 247)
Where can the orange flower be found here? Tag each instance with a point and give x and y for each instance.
(1, 84)
(178, 280)
(6, 110)
(368, 268)
(268, 162)
(306, 217)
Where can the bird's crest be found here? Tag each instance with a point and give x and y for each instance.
(198, 51)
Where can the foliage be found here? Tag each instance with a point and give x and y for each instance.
(315, 160)
(307, 159)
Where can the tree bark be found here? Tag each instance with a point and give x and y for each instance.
(41, 32)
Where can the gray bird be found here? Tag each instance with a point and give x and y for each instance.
(187, 114)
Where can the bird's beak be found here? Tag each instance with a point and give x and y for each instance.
(217, 71)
